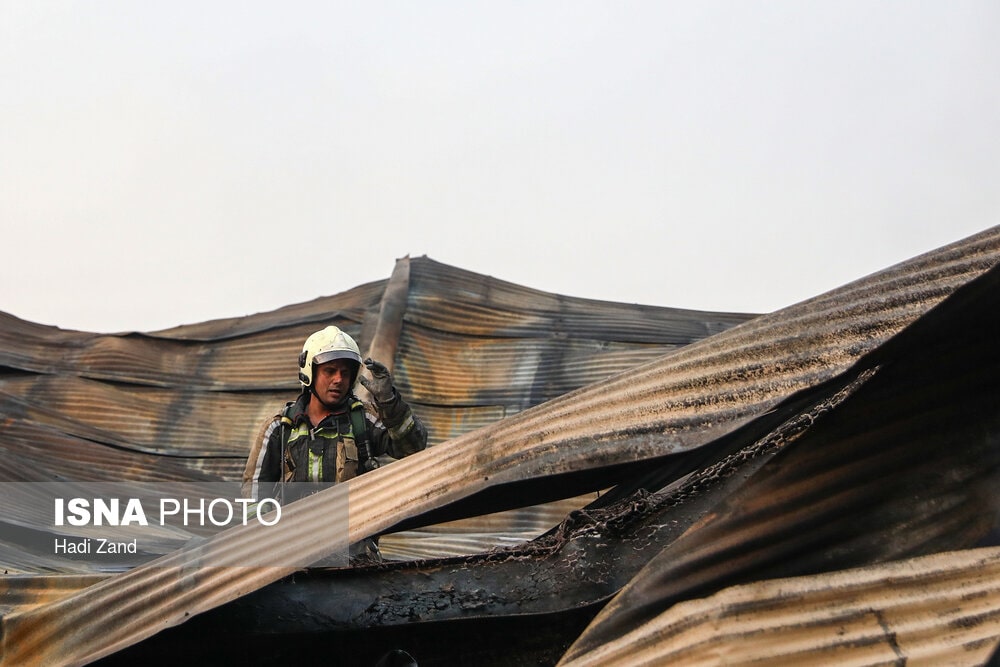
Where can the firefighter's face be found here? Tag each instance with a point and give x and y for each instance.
(332, 380)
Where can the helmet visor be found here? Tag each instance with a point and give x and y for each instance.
(330, 355)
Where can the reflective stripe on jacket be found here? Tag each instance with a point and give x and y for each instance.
(329, 451)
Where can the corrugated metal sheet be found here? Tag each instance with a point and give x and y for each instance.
(935, 610)
(676, 403)
(185, 403)
(907, 464)
(473, 535)
(155, 393)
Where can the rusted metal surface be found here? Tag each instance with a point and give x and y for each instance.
(592, 554)
(26, 591)
(479, 533)
(942, 609)
(896, 457)
(908, 465)
(81, 395)
(184, 404)
(672, 405)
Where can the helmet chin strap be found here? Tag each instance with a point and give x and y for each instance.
(343, 403)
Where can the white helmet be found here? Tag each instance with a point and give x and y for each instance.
(326, 345)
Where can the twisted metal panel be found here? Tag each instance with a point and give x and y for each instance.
(673, 404)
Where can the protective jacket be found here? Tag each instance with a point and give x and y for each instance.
(333, 450)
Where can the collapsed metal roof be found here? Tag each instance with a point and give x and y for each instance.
(532, 398)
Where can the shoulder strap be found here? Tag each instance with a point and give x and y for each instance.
(284, 431)
(286, 421)
(359, 426)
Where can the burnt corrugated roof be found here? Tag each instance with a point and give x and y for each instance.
(686, 400)
(471, 349)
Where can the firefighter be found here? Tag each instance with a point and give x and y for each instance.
(327, 434)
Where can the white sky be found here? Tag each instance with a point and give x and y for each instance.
(164, 163)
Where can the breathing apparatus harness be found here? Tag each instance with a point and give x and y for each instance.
(325, 345)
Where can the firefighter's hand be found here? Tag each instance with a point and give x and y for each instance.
(380, 384)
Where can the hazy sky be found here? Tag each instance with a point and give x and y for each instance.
(164, 163)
